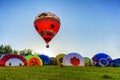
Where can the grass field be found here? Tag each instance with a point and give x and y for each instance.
(59, 73)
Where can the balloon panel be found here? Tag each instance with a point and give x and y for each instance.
(47, 28)
(75, 61)
(47, 24)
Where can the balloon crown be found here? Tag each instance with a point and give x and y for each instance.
(47, 15)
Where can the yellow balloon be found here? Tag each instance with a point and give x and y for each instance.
(59, 58)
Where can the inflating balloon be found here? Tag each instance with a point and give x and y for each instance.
(45, 59)
(59, 58)
(73, 59)
(101, 59)
(47, 25)
(12, 60)
(88, 61)
(33, 60)
(115, 63)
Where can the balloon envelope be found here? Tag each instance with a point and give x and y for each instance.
(73, 59)
(115, 62)
(59, 58)
(101, 59)
(45, 59)
(33, 60)
(88, 61)
(47, 25)
(12, 60)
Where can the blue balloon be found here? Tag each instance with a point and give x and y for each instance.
(115, 62)
(45, 59)
(101, 59)
(98, 56)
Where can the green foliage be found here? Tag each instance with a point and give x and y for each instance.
(5, 49)
(15, 51)
(58, 73)
(1, 49)
(26, 52)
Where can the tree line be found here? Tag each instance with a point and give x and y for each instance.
(7, 49)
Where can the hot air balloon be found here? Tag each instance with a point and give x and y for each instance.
(101, 59)
(115, 62)
(73, 59)
(45, 59)
(33, 60)
(59, 58)
(12, 60)
(88, 61)
(47, 25)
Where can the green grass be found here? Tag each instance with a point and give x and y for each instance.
(59, 73)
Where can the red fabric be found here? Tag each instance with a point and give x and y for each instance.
(75, 61)
(8, 56)
(47, 28)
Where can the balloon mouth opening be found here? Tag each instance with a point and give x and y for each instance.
(103, 62)
(47, 46)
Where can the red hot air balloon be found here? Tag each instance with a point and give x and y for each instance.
(47, 25)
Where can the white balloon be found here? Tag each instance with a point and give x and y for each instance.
(67, 59)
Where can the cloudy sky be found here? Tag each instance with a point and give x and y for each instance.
(87, 26)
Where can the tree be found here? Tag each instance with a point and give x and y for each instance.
(29, 51)
(7, 49)
(1, 49)
(15, 51)
(26, 52)
(22, 52)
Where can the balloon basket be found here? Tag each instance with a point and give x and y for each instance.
(47, 46)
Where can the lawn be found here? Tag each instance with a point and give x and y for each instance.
(59, 73)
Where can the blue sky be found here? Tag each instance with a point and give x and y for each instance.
(87, 26)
